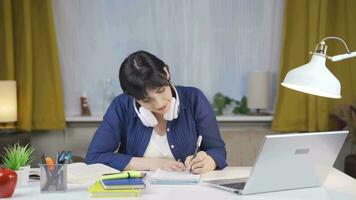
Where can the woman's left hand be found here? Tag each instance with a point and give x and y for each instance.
(201, 163)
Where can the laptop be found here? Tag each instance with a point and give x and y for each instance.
(289, 161)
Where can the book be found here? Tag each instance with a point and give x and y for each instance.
(80, 172)
(96, 190)
(174, 178)
(128, 183)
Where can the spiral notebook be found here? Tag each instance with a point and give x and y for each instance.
(174, 178)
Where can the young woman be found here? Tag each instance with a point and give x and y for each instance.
(155, 124)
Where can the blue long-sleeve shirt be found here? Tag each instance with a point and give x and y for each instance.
(121, 135)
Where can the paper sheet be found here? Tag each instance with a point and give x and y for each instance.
(173, 178)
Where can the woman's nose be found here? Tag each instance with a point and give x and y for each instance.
(159, 103)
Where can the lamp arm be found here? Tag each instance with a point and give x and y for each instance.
(347, 55)
(342, 56)
(336, 38)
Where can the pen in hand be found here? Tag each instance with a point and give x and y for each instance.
(200, 138)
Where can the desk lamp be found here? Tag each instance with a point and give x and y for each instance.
(258, 91)
(8, 103)
(314, 77)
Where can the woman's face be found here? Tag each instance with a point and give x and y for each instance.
(158, 100)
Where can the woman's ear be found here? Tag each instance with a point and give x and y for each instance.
(165, 68)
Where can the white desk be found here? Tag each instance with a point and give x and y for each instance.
(338, 186)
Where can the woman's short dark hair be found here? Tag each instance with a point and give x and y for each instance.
(141, 71)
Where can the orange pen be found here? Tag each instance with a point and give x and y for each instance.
(49, 163)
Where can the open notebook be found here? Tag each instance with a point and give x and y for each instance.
(82, 173)
(174, 178)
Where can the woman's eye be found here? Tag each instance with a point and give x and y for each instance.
(160, 90)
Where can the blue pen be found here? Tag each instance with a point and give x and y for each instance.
(68, 157)
(61, 157)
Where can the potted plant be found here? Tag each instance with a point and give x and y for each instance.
(220, 102)
(18, 159)
(345, 118)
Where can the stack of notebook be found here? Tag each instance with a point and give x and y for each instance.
(115, 185)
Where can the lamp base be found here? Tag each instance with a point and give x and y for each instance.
(7, 128)
(258, 112)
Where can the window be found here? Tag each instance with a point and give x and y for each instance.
(207, 44)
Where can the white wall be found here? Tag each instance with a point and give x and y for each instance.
(208, 44)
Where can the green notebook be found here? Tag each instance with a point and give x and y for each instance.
(96, 190)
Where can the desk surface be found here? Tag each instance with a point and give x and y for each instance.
(338, 186)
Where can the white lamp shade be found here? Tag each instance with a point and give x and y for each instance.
(258, 90)
(313, 78)
(8, 102)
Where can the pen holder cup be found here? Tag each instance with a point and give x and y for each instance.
(53, 178)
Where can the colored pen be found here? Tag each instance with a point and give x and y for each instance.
(61, 157)
(49, 163)
(43, 158)
(200, 138)
(57, 155)
(123, 175)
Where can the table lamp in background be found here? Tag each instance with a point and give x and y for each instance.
(314, 77)
(8, 104)
(258, 91)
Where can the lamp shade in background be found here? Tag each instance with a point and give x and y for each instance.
(313, 78)
(8, 101)
(258, 89)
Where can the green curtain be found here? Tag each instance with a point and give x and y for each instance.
(28, 54)
(305, 23)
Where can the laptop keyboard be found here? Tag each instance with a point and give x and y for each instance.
(237, 186)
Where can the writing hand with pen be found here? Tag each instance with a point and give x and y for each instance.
(200, 162)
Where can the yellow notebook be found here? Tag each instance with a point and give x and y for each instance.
(96, 190)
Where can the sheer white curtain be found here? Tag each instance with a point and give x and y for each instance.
(209, 44)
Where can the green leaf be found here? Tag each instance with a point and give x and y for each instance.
(17, 156)
(219, 103)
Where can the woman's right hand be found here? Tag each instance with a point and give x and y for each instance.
(165, 164)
